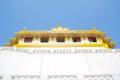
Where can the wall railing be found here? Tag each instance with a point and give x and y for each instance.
(64, 77)
(60, 51)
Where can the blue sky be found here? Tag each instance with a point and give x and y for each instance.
(46, 14)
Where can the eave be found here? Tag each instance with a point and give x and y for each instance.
(107, 39)
(7, 44)
(112, 44)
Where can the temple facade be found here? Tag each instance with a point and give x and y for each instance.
(60, 54)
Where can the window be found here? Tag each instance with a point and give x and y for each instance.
(76, 39)
(28, 39)
(92, 39)
(60, 39)
(44, 39)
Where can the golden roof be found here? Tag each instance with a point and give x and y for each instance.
(62, 31)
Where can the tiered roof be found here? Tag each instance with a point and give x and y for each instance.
(62, 31)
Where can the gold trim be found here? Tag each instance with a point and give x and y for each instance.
(60, 45)
(7, 44)
(60, 29)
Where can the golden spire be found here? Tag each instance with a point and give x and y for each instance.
(93, 28)
(24, 30)
(59, 26)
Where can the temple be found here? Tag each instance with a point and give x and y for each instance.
(61, 37)
(60, 54)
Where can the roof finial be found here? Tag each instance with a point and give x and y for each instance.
(24, 30)
(93, 27)
(59, 26)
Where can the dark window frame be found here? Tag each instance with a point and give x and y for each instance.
(92, 39)
(44, 39)
(60, 39)
(28, 39)
(76, 39)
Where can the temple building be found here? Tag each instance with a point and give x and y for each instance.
(60, 54)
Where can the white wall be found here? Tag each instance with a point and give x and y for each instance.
(20, 62)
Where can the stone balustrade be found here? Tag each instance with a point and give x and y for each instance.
(56, 51)
(64, 77)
